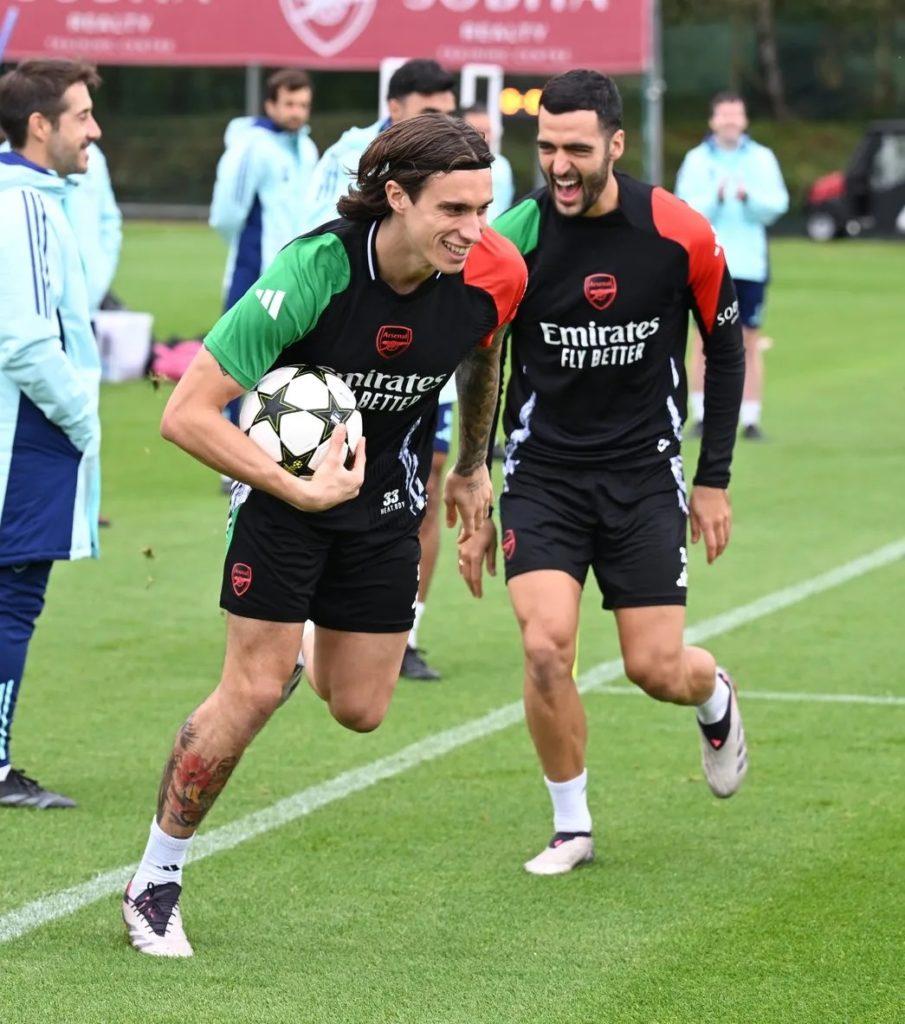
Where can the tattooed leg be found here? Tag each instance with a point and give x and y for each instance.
(191, 783)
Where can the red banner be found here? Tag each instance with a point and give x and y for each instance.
(532, 36)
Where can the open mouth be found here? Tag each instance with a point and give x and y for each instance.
(567, 190)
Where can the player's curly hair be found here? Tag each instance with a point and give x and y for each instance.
(409, 153)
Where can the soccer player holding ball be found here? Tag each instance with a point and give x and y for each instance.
(593, 416)
(406, 287)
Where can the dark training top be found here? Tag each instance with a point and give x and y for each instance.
(597, 350)
(322, 302)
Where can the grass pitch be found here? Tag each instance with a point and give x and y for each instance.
(404, 901)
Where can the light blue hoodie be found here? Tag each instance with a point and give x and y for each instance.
(49, 376)
(740, 224)
(98, 224)
(259, 196)
(336, 171)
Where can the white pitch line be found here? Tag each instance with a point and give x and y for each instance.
(60, 904)
(773, 695)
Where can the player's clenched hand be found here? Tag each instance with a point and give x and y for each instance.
(711, 517)
(470, 496)
(332, 483)
(479, 548)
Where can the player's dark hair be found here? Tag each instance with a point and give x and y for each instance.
(424, 77)
(37, 87)
(409, 153)
(290, 79)
(726, 96)
(585, 90)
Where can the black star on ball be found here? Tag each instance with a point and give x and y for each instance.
(332, 416)
(273, 408)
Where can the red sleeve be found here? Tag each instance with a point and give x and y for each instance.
(715, 308)
(496, 266)
(675, 220)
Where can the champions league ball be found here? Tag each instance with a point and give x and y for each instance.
(291, 414)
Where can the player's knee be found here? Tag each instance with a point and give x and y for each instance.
(252, 701)
(357, 717)
(658, 673)
(548, 657)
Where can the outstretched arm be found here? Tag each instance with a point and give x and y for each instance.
(468, 491)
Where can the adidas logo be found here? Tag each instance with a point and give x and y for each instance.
(270, 300)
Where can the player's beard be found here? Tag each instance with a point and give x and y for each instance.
(67, 159)
(592, 186)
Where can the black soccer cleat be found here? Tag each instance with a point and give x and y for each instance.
(18, 790)
(753, 432)
(415, 667)
(695, 432)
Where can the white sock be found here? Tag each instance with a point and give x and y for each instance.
(163, 860)
(750, 414)
(697, 406)
(713, 709)
(413, 636)
(4, 771)
(570, 804)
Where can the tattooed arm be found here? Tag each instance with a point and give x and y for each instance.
(468, 492)
(478, 385)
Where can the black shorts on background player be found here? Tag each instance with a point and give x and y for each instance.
(637, 550)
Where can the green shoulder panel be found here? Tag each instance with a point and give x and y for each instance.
(521, 225)
(280, 308)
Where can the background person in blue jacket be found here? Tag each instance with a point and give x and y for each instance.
(49, 371)
(98, 225)
(737, 184)
(91, 207)
(262, 181)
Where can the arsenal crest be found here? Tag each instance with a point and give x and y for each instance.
(393, 341)
(328, 26)
(508, 544)
(600, 290)
(240, 577)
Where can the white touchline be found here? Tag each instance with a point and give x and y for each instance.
(67, 901)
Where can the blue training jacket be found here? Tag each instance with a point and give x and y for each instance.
(97, 222)
(259, 196)
(740, 224)
(49, 376)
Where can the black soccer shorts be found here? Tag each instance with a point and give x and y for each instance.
(576, 520)
(282, 566)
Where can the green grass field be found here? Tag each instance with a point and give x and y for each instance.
(394, 892)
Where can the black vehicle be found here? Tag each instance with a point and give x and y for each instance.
(869, 196)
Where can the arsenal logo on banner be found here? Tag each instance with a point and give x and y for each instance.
(393, 341)
(508, 544)
(240, 577)
(329, 27)
(600, 290)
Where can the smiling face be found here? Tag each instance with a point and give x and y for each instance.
(446, 220)
(728, 122)
(576, 158)
(66, 144)
(291, 109)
